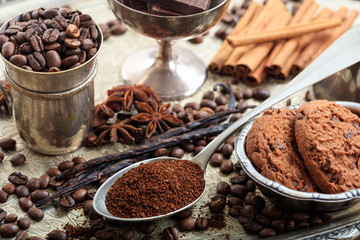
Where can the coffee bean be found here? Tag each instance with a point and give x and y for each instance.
(35, 238)
(53, 172)
(57, 235)
(39, 195)
(247, 214)
(2, 156)
(35, 214)
(98, 223)
(208, 103)
(18, 60)
(72, 31)
(18, 159)
(187, 224)
(33, 184)
(223, 188)
(8, 230)
(218, 196)
(238, 95)
(91, 53)
(221, 100)
(3, 39)
(264, 220)
(187, 146)
(252, 228)
(44, 181)
(78, 160)
(3, 214)
(247, 93)
(3, 196)
(36, 43)
(238, 180)
(300, 216)
(50, 13)
(79, 195)
(22, 236)
(147, 227)
(302, 225)
(235, 117)
(118, 29)
(250, 185)
(36, 61)
(267, 232)
(235, 201)
(242, 106)
(9, 188)
(51, 35)
(209, 95)
(196, 40)
(216, 160)
(202, 113)
(217, 205)
(67, 201)
(10, 218)
(18, 178)
(161, 152)
(202, 223)
(177, 153)
(23, 223)
(91, 193)
(193, 105)
(257, 201)
(248, 196)
(105, 234)
(227, 150)
(235, 211)
(198, 149)
(25, 203)
(177, 107)
(273, 212)
(65, 165)
(87, 44)
(227, 167)
(7, 50)
(221, 108)
(290, 226)
(7, 143)
(53, 59)
(279, 225)
(222, 32)
(185, 213)
(200, 142)
(261, 94)
(22, 191)
(315, 220)
(238, 190)
(170, 233)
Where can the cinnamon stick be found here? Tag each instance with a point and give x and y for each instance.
(318, 40)
(304, 40)
(252, 58)
(336, 34)
(256, 77)
(225, 50)
(296, 19)
(263, 17)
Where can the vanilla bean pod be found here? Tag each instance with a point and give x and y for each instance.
(80, 181)
(201, 123)
(228, 90)
(137, 151)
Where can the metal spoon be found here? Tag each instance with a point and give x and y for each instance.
(343, 53)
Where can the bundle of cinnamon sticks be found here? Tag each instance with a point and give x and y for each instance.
(269, 40)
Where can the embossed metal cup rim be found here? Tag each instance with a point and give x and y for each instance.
(290, 197)
(51, 81)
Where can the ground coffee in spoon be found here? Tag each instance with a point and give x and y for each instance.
(155, 188)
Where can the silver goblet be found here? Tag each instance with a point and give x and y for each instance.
(172, 72)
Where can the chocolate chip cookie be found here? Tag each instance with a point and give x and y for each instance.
(328, 139)
(271, 147)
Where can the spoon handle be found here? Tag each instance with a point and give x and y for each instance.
(343, 53)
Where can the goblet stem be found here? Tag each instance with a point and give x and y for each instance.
(165, 52)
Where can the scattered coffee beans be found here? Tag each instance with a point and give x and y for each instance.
(8, 230)
(18, 159)
(9, 188)
(7, 143)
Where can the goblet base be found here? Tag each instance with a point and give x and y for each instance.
(174, 78)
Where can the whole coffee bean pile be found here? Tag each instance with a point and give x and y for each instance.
(155, 179)
(50, 40)
(251, 210)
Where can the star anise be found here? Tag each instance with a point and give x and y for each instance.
(115, 101)
(157, 118)
(134, 93)
(6, 86)
(119, 132)
(101, 114)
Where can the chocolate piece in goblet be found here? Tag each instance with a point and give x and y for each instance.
(173, 72)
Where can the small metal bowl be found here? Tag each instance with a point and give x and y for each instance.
(281, 195)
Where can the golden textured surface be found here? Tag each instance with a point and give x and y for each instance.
(114, 51)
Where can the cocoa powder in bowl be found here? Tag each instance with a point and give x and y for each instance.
(155, 188)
